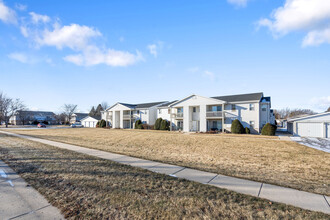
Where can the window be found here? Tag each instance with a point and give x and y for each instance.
(216, 108)
(194, 109)
(180, 110)
(263, 109)
(138, 112)
(251, 107)
(233, 107)
(169, 111)
(159, 111)
(251, 124)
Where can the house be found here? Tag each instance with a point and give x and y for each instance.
(76, 117)
(123, 115)
(317, 125)
(30, 117)
(90, 121)
(200, 114)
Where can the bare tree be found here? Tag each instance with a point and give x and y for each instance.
(9, 107)
(68, 110)
(105, 105)
(60, 118)
(24, 117)
(288, 113)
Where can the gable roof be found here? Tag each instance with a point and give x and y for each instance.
(139, 106)
(94, 117)
(167, 104)
(308, 116)
(148, 105)
(240, 97)
(184, 99)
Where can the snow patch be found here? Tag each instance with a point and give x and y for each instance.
(3, 174)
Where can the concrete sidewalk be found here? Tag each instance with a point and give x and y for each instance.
(305, 200)
(20, 201)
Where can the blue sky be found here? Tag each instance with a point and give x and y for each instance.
(86, 52)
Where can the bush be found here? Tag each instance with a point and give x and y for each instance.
(138, 124)
(35, 122)
(237, 127)
(102, 123)
(247, 130)
(165, 125)
(268, 129)
(158, 123)
(98, 124)
(45, 122)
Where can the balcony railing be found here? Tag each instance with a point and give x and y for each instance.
(128, 116)
(179, 115)
(216, 114)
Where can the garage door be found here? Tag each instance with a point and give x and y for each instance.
(310, 129)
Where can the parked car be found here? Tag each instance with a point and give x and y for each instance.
(76, 125)
(41, 125)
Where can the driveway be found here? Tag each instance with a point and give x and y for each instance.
(322, 144)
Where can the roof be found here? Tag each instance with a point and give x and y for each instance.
(241, 97)
(95, 117)
(148, 105)
(139, 106)
(184, 99)
(38, 112)
(308, 116)
(80, 114)
(167, 104)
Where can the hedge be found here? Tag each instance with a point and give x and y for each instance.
(237, 127)
(268, 129)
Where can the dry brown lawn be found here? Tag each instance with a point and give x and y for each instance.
(86, 187)
(259, 158)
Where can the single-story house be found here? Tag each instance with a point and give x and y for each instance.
(89, 121)
(317, 125)
(76, 117)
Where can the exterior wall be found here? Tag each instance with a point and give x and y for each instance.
(243, 114)
(152, 115)
(199, 102)
(89, 122)
(163, 113)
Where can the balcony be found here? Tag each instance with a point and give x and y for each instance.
(178, 115)
(214, 114)
(128, 117)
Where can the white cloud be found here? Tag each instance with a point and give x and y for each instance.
(315, 38)
(154, 49)
(7, 15)
(21, 57)
(309, 16)
(20, 7)
(93, 55)
(73, 36)
(36, 18)
(240, 3)
(209, 74)
(321, 103)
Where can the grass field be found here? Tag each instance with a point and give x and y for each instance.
(258, 158)
(85, 187)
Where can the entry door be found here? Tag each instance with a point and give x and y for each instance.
(194, 125)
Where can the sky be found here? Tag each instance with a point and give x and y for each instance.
(85, 52)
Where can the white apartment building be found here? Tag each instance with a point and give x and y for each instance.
(200, 114)
(196, 113)
(123, 115)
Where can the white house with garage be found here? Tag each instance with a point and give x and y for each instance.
(89, 121)
(317, 125)
(123, 115)
(200, 114)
